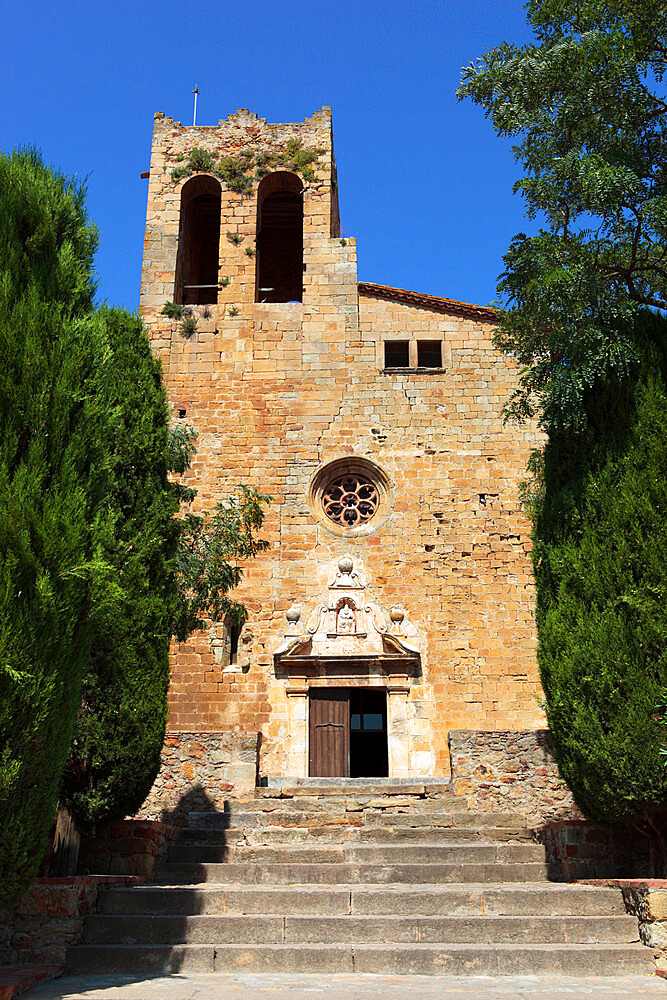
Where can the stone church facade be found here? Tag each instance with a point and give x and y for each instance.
(395, 602)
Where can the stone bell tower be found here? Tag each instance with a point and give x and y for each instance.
(241, 214)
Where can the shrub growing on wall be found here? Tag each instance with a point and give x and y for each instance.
(600, 551)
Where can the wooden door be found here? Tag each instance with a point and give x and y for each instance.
(329, 733)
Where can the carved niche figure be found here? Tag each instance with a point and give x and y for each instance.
(346, 620)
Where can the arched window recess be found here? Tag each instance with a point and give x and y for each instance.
(279, 268)
(198, 242)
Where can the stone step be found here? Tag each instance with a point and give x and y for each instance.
(337, 833)
(342, 803)
(364, 854)
(353, 817)
(277, 782)
(532, 899)
(342, 788)
(264, 929)
(348, 874)
(396, 959)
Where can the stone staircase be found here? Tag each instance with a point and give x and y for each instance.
(327, 878)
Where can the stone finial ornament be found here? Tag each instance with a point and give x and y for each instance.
(397, 617)
(347, 577)
(293, 615)
(346, 565)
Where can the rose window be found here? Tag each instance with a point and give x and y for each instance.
(350, 496)
(350, 500)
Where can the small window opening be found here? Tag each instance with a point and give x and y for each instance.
(198, 243)
(429, 354)
(182, 413)
(234, 634)
(396, 353)
(280, 239)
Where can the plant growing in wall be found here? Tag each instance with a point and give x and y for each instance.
(294, 157)
(234, 170)
(233, 311)
(264, 163)
(174, 310)
(224, 281)
(188, 326)
(235, 239)
(199, 161)
(250, 251)
(239, 172)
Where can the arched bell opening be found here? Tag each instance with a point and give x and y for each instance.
(198, 242)
(279, 274)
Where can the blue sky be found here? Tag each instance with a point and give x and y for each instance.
(425, 185)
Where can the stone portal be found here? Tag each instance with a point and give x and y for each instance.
(348, 673)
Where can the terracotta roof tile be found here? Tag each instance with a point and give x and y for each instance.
(433, 302)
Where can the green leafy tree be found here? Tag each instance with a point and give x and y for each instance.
(586, 107)
(121, 722)
(171, 574)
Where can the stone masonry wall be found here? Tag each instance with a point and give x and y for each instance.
(50, 915)
(581, 850)
(278, 391)
(512, 770)
(647, 900)
(126, 847)
(48, 918)
(199, 771)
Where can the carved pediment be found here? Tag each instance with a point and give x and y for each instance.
(349, 627)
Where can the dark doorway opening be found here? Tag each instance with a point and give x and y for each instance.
(198, 243)
(368, 733)
(348, 733)
(280, 239)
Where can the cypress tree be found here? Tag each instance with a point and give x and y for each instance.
(120, 728)
(53, 477)
(600, 550)
(96, 572)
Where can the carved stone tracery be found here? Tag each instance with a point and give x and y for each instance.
(350, 500)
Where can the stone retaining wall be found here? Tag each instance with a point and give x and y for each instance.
(127, 847)
(647, 900)
(49, 917)
(581, 850)
(199, 771)
(511, 770)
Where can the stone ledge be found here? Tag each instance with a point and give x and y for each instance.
(15, 979)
